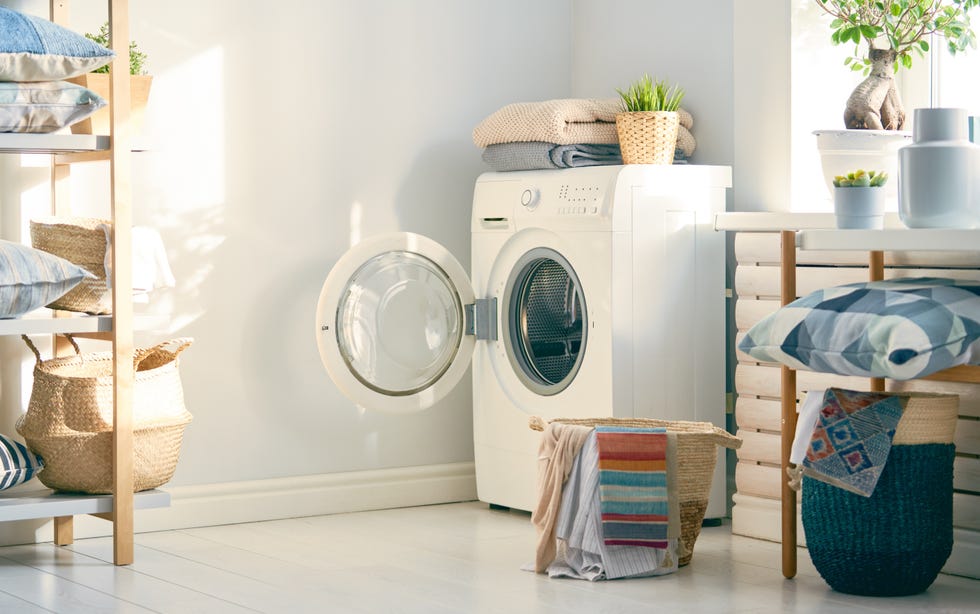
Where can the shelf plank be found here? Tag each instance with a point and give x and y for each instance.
(48, 504)
(19, 143)
(43, 322)
(889, 239)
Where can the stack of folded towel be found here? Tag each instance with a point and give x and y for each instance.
(563, 133)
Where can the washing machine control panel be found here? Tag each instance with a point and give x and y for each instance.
(582, 199)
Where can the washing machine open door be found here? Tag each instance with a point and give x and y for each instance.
(392, 322)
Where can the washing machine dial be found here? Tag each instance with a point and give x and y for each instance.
(530, 198)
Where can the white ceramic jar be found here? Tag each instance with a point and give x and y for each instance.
(939, 173)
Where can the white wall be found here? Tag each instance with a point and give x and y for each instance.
(689, 43)
(283, 132)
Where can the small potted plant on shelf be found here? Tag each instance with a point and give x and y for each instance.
(859, 199)
(647, 127)
(98, 82)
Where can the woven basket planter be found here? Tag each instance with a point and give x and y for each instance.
(697, 454)
(85, 242)
(69, 419)
(896, 541)
(648, 137)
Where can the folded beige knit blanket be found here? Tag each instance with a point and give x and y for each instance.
(567, 121)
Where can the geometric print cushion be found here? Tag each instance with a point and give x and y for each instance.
(852, 438)
(899, 329)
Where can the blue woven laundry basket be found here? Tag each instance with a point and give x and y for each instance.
(894, 542)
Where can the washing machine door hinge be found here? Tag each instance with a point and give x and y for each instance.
(481, 318)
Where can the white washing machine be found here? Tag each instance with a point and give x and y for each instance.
(594, 292)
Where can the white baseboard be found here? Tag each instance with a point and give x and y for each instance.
(275, 499)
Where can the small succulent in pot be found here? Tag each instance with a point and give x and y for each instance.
(861, 179)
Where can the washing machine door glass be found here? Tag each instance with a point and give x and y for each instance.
(547, 321)
(391, 320)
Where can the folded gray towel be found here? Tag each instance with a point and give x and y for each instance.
(536, 155)
(532, 155)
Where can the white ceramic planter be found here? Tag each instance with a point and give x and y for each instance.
(844, 151)
(860, 207)
(939, 173)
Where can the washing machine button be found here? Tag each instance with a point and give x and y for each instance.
(530, 197)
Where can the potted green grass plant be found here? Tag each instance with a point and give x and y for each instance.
(647, 126)
(98, 82)
(859, 199)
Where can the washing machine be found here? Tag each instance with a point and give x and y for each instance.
(593, 292)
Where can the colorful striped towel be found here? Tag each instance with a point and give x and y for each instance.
(633, 486)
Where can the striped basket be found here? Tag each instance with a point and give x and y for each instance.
(648, 137)
(69, 418)
(696, 457)
(896, 541)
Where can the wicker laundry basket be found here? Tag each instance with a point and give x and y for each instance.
(85, 242)
(69, 418)
(896, 541)
(648, 137)
(696, 458)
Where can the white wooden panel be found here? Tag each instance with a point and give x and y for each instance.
(763, 380)
(758, 446)
(966, 511)
(764, 280)
(761, 518)
(756, 414)
(965, 558)
(748, 311)
(753, 248)
(966, 474)
(758, 480)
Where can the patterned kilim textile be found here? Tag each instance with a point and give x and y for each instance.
(633, 486)
(852, 438)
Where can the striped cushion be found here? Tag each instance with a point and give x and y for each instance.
(17, 463)
(30, 278)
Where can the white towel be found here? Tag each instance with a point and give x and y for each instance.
(151, 269)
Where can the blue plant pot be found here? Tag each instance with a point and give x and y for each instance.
(894, 542)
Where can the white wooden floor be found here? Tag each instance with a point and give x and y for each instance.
(458, 558)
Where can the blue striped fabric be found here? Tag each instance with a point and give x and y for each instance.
(30, 278)
(17, 463)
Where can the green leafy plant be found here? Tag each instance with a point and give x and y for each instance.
(649, 95)
(861, 179)
(137, 59)
(905, 25)
(894, 30)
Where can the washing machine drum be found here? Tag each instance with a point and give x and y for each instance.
(546, 321)
(397, 322)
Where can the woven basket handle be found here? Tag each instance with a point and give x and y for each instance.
(182, 343)
(37, 353)
(719, 436)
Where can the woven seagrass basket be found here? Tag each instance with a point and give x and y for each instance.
(896, 541)
(647, 137)
(696, 457)
(85, 242)
(69, 418)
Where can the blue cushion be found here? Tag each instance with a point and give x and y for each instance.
(34, 49)
(45, 106)
(17, 463)
(900, 329)
(30, 278)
